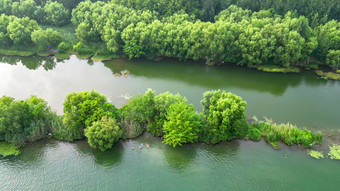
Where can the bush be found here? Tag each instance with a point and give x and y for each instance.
(334, 152)
(137, 113)
(64, 47)
(253, 134)
(182, 125)
(84, 108)
(81, 48)
(222, 111)
(59, 131)
(102, 134)
(162, 104)
(287, 133)
(24, 121)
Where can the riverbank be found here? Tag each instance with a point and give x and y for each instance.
(324, 73)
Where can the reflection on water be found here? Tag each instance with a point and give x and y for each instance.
(106, 158)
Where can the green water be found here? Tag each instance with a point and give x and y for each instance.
(301, 99)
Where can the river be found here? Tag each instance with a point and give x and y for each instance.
(302, 99)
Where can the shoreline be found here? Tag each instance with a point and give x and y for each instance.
(325, 74)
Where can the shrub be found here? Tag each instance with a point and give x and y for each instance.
(162, 104)
(103, 134)
(253, 134)
(84, 108)
(64, 47)
(81, 48)
(315, 154)
(182, 125)
(137, 113)
(24, 121)
(222, 111)
(59, 131)
(287, 133)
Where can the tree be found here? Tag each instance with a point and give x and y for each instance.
(222, 111)
(20, 30)
(45, 38)
(56, 13)
(6, 7)
(333, 59)
(103, 134)
(84, 108)
(25, 120)
(162, 103)
(182, 125)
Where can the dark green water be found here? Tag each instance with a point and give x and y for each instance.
(301, 99)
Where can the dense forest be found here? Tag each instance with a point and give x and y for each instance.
(281, 33)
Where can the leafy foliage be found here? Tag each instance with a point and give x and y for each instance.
(162, 103)
(8, 149)
(182, 126)
(56, 13)
(315, 154)
(334, 152)
(84, 108)
(287, 133)
(45, 38)
(222, 111)
(103, 134)
(24, 121)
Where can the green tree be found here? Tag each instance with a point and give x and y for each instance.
(162, 104)
(19, 30)
(333, 59)
(182, 125)
(6, 7)
(56, 13)
(45, 38)
(103, 134)
(84, 108)
(24, 121)
(222, 111)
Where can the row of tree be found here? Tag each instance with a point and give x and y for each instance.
(49, 12)
(237, 35)
(317, 11)
(89, 115)
(26, 32)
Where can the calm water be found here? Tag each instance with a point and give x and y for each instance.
(301, 99)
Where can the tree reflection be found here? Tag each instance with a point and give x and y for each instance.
(179, 158)
(106, 158)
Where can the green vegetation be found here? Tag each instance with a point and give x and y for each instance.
(328, 75)
(89, 115)
(334, 152)
(182, 126)
(269, 35)
(82, 109)
(271, 68)
(222, 111)
(24, 121)
(287, 133)
(103, 134)
(8, 149)
(315, 154)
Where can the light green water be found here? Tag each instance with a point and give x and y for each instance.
(301, 99)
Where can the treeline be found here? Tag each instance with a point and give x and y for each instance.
(317, 11)
(89, 115)
(237, 35)
(279, 36)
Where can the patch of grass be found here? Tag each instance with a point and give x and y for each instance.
(62, 56)
(327, 75)
(334, 152)
(312, 65)
(17, 52)
(287, 133)
(273, 68)
(315, 154)
(84, 56)
(8, 149)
